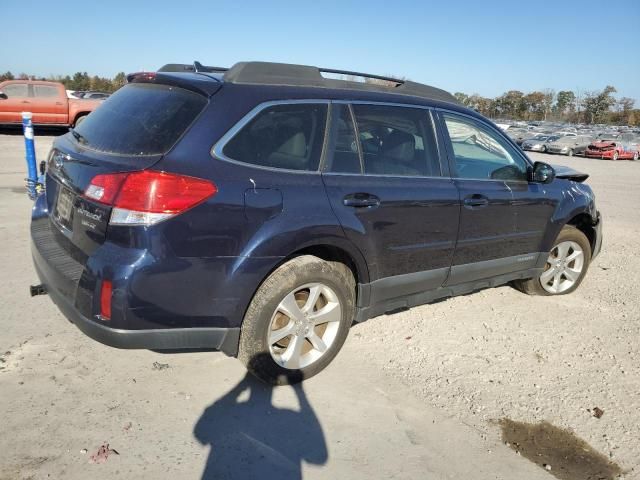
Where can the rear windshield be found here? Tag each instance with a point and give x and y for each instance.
(141, 119)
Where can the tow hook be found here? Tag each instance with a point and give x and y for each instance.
(37, 290)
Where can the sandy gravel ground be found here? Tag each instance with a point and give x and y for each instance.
(401, 391)
(499, 353)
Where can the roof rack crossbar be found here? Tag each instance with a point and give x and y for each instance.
(363, 75)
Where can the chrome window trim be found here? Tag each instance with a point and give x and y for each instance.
(432, 119)
(217, 149)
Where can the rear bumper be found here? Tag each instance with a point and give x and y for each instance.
(223, 339)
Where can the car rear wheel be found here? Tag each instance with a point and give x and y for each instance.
(79, 120)
(570, 152)
(543, 149)
(565, 268)
(636, 155)
(615, 155)
(298, 320)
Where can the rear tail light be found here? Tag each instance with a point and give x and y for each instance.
(105, 299)
(149, 196)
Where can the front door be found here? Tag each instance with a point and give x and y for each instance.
(51, 107)
(385, 183)
(17, 101)
(486, 168)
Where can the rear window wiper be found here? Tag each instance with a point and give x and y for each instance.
(78, 136)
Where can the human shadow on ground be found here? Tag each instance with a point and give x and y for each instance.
(252, 439)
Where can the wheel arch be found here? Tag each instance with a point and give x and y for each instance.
(584, 223)
(78, 115)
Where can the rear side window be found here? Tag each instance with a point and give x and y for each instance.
(44, 91)
(396, 141)
(141, 119)
(288, 136)
(16, 90)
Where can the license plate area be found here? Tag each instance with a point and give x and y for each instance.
(64, 208)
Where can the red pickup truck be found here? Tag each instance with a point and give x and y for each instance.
(47, 101)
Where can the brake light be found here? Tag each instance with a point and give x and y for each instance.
(141, 77)
(148, 197)
(105, 299)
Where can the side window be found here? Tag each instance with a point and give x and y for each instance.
(396, 141)
(16, 90)
(345, 153)
(45, 91)
(480, 153)
(282, 136)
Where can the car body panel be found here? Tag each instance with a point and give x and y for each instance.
(47, 101)
(200, 269)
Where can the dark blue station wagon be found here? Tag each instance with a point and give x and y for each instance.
(260, 210)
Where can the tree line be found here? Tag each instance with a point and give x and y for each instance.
(565, 105)
(81, 81)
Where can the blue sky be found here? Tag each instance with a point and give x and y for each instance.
(478, 46)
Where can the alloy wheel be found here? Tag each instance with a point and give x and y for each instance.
(563, 268)
(304, 326)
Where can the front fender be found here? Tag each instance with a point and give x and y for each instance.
(575, 199)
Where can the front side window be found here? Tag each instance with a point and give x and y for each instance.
(16, 90)
(397, 141)
(45, 91)
(288, 136)
(480, 153)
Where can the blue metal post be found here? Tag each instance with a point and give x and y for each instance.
(32, 179)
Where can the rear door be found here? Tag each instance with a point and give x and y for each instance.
(17, 101)
(486, 168)
(392, 197)
(48, 104)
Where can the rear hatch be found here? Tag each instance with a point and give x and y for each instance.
(131, 131)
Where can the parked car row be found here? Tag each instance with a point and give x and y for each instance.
(604, 143)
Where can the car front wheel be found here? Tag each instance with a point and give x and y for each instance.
(298, 320)
(565, 268)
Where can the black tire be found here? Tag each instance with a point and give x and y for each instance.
(615, 155)
(543, 149)
(254, 348)
(571, 152)
(79, 120)
(570, 233)
(636, 155)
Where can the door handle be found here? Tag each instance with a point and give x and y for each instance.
(25, 101)
(476, 201)
(360, 200)
(59, 103)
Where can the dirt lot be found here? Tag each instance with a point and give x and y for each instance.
(415, 394)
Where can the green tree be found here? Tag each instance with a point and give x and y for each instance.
(512, 104)
(535, 105)
(6, 76)
(118, 81)
(80, 81)
(565, 100)
(463, 98)
(597, 104)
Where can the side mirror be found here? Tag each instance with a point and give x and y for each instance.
(3, 95)
(542, 173)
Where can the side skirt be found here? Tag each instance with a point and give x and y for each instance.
(379, 305)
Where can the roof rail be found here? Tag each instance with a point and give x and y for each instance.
(268, 73)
